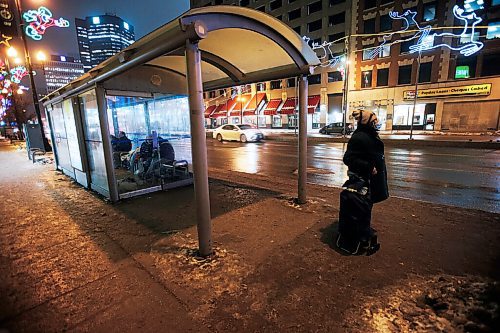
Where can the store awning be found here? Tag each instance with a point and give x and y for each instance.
(312, 103)
(209, 110)
(239, 103)
(289, 106)
(220, 111)
(272, 107)
(252, 105)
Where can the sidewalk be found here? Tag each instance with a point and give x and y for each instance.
(72, 262)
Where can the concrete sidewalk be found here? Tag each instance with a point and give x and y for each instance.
(71, 262)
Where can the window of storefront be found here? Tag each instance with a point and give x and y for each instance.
(430, 11)
(425, 72)
(491, 64)
(335, 2)
(276, 4)
(276, 84)
(367, 49)
(292, 121)
(404, 75)
(382, 77)
(336, 37)
(336, 19)
(493, 30)
(466, 63)
(314, 25)
(370, 4)
(334, 76)
(385, 23)
(294, 14)
(244, 3)
(366, 79)
(316, 120)
(297, 29)
(291, 83)
(405, 46)
(262, 9)
(315, 7)
(277, 121)
(402, 115)
(314, 79)
(369, 26)
(385, 51)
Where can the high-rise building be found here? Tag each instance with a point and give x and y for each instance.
(61, 70)
(456, 76)
(100, 37)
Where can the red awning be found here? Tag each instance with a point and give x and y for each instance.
(238, 105)
(209, 110)
(289, 106)
(272, 107)
(252, 105)
(312, 103)
(220, 111)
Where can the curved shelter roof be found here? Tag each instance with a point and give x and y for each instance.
(238, 46)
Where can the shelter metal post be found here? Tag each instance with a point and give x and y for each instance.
(106, 144)
(199, 147)
(303, 93)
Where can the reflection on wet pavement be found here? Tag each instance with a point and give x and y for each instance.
(461, 177)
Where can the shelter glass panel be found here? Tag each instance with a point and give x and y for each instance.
(60, 137)
(93, 142)
(152, 148)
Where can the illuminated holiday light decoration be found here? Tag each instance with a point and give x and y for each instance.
(17, 73)
(40, 20)
(324, 53)
(5, 40)
(426, 39)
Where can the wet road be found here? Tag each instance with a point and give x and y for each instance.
(468, 178)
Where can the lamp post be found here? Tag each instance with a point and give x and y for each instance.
(30, 73)
(346, 85)
(416, 94)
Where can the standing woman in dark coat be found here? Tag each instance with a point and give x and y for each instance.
(367, 185)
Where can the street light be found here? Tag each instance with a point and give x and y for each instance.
(41, 56)
(32, 79)
(241, 99)
(11, 52)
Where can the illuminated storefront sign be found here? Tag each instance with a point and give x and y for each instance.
(469, 90)
(40, 20)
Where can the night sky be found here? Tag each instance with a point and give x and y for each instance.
(144, 15)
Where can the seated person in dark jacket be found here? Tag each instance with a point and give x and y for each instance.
(120, 144)
(367, 184)
(146, 151)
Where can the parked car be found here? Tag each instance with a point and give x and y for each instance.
(336, 128)
(241, 133)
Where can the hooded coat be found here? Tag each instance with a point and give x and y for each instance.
(365, 151)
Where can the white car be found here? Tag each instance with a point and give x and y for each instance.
(243, 133)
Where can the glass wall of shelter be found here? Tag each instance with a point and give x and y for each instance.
(149, 146)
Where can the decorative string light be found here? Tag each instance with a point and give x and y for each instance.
(425, 39)
(40, 20)
(5, 40)
(17, 73)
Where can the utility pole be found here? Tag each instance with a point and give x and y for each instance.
(32, 79)
(416, 94)
(346, 84)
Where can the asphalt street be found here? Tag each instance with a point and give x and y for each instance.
(461, 177)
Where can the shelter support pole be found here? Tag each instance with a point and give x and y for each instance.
(106, 144)
(303, 93)
(199, 147)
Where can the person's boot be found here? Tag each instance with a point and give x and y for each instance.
(348, 245)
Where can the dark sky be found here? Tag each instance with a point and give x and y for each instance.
(144, 15)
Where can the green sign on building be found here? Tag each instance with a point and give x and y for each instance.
(462, 72)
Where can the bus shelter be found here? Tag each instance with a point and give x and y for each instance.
(135, 123)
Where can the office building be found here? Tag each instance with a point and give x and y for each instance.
(457, 91)
(61, 70)
(100, 37)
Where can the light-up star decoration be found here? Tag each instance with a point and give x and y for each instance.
(5, 40)
(426, 37)
(40, 20)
